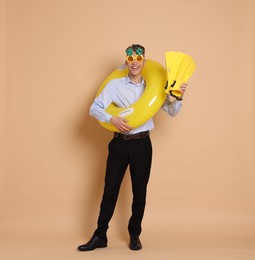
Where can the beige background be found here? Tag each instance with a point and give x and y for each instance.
(54, 56)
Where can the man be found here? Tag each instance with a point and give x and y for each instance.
(128, 147)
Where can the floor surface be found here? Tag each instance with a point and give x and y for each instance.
(118, 249)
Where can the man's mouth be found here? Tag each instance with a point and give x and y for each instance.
(135, 67)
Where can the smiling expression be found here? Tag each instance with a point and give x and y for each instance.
(135, 68)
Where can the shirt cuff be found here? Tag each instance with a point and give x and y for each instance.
(108, 118)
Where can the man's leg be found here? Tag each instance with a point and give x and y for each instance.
(115, 169)
(117, 163)
(140, 165)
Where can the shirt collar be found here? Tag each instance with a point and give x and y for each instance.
(128, 80)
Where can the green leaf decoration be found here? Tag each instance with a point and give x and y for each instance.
(139, 51)
(129, 51)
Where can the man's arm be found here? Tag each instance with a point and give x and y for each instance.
(174, 107)
(101, 102)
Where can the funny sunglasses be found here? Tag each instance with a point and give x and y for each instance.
(131, 58)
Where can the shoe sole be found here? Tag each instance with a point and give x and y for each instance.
(92, 248)
(135, 249)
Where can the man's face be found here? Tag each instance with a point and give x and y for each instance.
(135, 68)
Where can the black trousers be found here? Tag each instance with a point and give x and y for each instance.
(137, 154)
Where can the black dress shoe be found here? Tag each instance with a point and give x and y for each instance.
(93, 243)
(135, 243)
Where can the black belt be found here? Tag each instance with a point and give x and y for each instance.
(131, 136)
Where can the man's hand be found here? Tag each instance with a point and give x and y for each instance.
(183, 89)
(121, 124)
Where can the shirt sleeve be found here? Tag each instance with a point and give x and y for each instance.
(101, 102)
(172, 107)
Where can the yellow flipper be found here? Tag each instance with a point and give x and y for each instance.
(179, 67)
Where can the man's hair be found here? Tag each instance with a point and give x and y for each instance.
(135, 48)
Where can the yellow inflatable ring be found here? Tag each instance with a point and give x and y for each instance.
(148, 104)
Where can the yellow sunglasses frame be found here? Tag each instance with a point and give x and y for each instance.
(134, 58)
